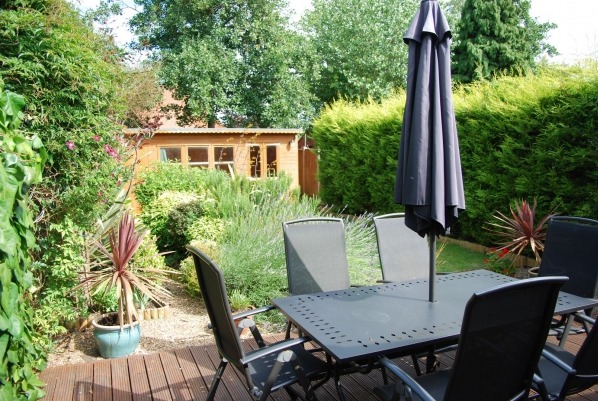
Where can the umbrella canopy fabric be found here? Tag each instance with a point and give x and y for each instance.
(429, 181)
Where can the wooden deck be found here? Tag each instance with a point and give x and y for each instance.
(185, 374)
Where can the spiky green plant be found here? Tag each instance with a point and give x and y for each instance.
(520, 230)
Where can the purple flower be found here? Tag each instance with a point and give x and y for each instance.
(111, 152)
(96, 138)
(70, 145)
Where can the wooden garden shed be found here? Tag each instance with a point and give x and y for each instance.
(253, 152)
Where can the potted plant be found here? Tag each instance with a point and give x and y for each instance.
(520, 231)
(119, 333)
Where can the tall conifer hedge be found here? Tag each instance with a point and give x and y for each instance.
(520, 137)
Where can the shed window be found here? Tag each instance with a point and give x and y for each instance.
(170, 155)
(224, 158)
(271, 160)
(198, 157)
(255, 161)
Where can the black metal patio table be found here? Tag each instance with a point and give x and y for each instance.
(361, 323)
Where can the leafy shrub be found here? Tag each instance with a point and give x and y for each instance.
(206, 229)
(168, 217)
(172, 177)
(56, 275)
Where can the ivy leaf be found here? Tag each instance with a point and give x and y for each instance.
(12, 104)
(3, 324)
(10, 298)
(15, 326)
(11, 159)
(3, 344)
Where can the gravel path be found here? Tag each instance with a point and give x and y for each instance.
(187, 325)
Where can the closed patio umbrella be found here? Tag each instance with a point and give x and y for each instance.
(429, 182)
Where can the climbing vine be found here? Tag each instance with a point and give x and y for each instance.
(21, 163)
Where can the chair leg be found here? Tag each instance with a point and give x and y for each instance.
(216, 379)
(418, 371)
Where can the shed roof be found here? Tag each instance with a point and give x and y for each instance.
(224, 131)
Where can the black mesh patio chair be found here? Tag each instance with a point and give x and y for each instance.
(571, 249)
(270, 367)
(502, 335)
(404, 255)
(562, 373)
(316, 255)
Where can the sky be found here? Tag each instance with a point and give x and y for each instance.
(576, 36)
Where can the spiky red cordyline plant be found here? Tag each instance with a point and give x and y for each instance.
(521, 230)
(115, 272)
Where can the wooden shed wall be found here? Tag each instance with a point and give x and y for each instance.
(287, 152)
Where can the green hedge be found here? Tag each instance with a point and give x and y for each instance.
(520, 137)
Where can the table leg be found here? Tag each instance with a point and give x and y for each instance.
(338, 384)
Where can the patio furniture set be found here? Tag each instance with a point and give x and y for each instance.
(498, 324)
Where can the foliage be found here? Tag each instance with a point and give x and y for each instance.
(360, 138)
(522, 230)
(115, 272)
(239, 302)
(341, 67)
(161, 177)
(500, 261)
(22, 159)
(157, 216)
(72, 80)
(498, 36)
(55, 274)
(222, 61)
(519, 137)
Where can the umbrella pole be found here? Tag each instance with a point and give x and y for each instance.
(432, 282)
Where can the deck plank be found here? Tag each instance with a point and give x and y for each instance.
(51, 377)
(157, 378)
(208, 370)
(121, 381)
(140, 387)
(83, 388)
(102, 381)
(191, 373)
(174, 377)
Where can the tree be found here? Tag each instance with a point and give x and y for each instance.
(498, 36)
(358, 46)
(232, 61)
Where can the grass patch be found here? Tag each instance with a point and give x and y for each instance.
(455, 258)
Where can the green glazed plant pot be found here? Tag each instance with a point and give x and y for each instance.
(114, 342)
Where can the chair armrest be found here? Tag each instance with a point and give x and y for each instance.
(585, 318)
(558, 362)
(251, 312)
(406, 379)
(274, 348)
(539, 385)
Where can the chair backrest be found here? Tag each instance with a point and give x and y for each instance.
(571, 249)
(213, 290)
(404, 255)
(503, 333)
(585, 365)
(316, 255)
